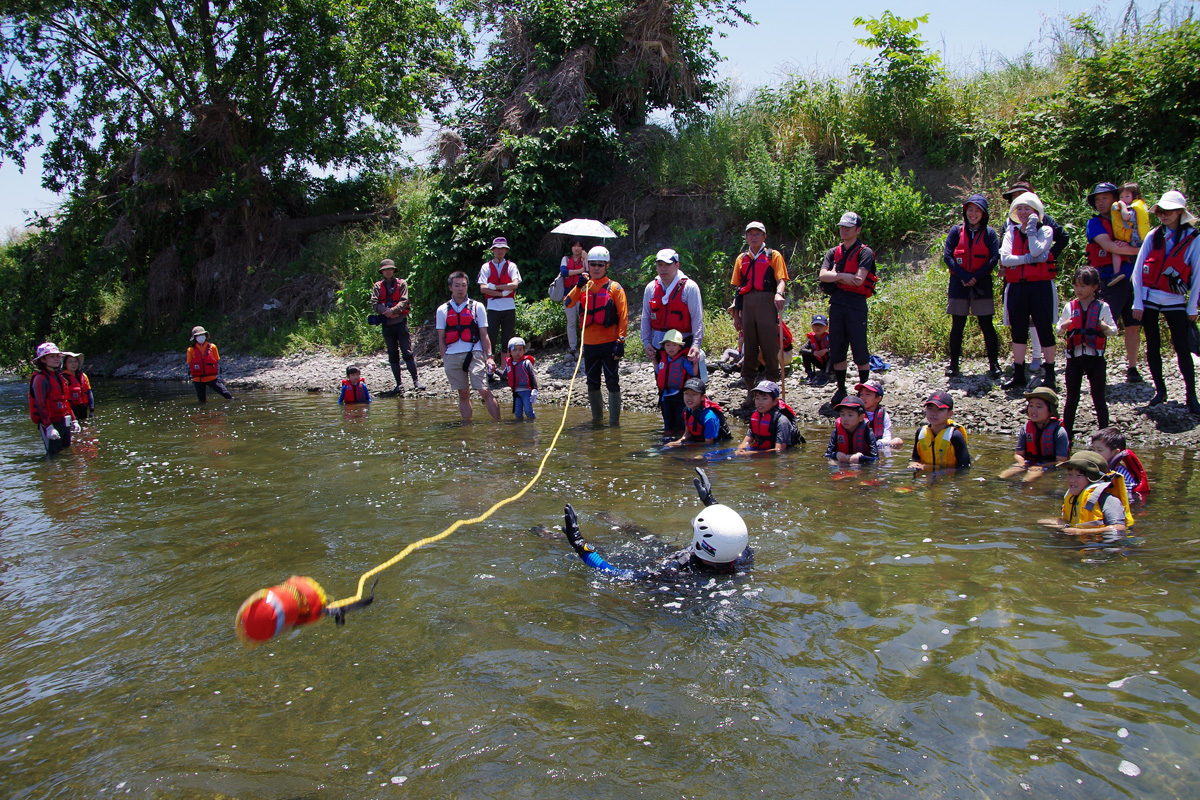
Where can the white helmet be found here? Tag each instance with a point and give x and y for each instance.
(599, 253)
(718, 534)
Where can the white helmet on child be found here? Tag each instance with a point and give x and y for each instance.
(718, 534)
(599, 253)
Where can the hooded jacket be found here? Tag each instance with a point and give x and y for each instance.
(983, 277)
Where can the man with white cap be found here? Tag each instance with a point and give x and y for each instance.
(498, 280)
(759, 280)
(848, 276)
(1166, 280)
(672, 302)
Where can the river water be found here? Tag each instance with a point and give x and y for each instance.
(894, 637)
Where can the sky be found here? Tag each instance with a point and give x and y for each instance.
(790, 37)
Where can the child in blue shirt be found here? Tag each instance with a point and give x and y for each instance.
(353, 388)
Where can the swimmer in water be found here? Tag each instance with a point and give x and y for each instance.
(719, 543)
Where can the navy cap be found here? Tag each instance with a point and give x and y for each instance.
(852, 402)
(820, 319)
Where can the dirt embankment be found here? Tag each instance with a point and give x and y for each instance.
(980, 404)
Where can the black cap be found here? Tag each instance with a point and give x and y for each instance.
(696, 385)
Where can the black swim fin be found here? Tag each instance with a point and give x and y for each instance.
(704, 488)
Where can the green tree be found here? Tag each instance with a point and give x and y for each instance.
(185, 130)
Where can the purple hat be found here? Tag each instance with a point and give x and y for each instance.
(767, 387)
(499, 241)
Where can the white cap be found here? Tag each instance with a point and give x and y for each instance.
(667, 256)
(516, 341)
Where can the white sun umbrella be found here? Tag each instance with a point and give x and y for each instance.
(586, 227)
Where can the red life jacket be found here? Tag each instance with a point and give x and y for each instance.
(1041, 271)
(1097, 256)
(1131, 462)
(788, 340)
(757, 274)
(601, 308)
(819, 343)
(518, 373)
(1084, 327)
(203, 364)
(974, 256)
(570, 281)
(1039, 445)
(56, 404)
(674, 313)
(461, 324)
(670, 373)
(1158, 261)
(851, 443)
(499, 276)
(841, 260)
(762, 426)
(74, 388)
(390, 297)
(357, 394)
(876, 423)
(693, 421)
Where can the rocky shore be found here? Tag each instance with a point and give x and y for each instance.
(980, 404)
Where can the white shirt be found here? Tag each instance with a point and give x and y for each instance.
(1155, 297)
(1107, 324)
(505, 303)
(477, 311)
(690, 296)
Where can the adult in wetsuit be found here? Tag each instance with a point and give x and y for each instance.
(719, 543)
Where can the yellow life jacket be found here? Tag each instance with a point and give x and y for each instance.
(936, 449)
(1086, 506)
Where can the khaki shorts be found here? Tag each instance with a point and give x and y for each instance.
(454, 364)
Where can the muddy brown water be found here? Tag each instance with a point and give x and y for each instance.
(895, 637)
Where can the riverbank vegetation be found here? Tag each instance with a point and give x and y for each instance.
(196, 205)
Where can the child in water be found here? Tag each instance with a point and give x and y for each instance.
(851, 441)
(1110, 444)
(354, 390)
(1043, 443)
(82, 399)
(522, 379)
(1096, 505)
(703, 420)
(941, 442)
(871, 393)
(719, 543)
(204, 365)
(772, 425)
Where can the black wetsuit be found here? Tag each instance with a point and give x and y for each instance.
(682, 561)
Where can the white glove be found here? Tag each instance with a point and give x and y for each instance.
(492, 286)
(74, 424)
(52, 433)
(533, 396)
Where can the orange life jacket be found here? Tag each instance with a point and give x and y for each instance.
(601, 308)
(757, 274)
(1039, 445)
(1084, 327)
(841, 260)
(56, 403)
(518, 373)
(851, 443)
(1097, 256)
(203, 364)
(972, 253)
(461, 324)
(1041, 271)
(671, 312)
(390, 297)
(670, 373)
(1158, 261)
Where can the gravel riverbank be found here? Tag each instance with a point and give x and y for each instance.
(980, 404)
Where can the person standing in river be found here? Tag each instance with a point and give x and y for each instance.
(463, 343)
(605, 323)
(391, 302)
(204, 366)
(759, 279)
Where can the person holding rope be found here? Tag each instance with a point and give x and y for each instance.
(1166, 281)
(605, 322)
(848, 277)
(760, 279)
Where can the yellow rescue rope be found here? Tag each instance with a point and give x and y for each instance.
(366, 576)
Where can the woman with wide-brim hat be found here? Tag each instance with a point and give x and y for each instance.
(1166, 281)
(49, 399)
(1029, 272)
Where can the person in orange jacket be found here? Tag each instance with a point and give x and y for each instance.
(204, 366)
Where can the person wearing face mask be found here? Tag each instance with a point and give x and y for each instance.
(204, 366)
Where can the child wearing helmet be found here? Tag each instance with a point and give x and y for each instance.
(719, 543)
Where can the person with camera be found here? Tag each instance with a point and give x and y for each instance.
(971, 253)
(1029, 271)
(848, 277)
(392, 308)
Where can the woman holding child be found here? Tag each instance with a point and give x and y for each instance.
(972, 252)
(1166, 280)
